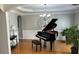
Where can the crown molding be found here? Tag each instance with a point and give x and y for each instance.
(38, 13)
(59, 12)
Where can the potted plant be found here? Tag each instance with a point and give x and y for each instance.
(72, 37)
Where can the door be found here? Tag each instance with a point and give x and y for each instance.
(19, 21)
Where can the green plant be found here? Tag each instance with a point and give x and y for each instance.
(64, 32)
(72, 35)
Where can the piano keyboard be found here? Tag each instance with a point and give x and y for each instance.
(41, 37)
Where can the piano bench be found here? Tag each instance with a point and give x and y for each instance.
(36, 42)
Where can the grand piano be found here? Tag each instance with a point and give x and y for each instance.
(48, 33)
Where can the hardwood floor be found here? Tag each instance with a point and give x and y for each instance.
(25, 47)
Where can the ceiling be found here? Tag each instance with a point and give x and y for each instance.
(41, 8)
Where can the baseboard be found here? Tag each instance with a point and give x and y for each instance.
(30, 34)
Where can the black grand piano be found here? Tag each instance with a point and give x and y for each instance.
(48, 33)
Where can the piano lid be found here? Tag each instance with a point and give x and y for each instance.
(51, 25)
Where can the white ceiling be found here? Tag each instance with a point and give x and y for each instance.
(35, 8)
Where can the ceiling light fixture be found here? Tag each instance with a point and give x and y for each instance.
(45, 15)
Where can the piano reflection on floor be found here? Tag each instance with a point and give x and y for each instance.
(48, 33)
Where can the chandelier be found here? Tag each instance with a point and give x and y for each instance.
(45, 15)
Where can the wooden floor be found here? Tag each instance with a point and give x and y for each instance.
(25, 47)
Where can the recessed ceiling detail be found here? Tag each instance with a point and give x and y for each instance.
(39, 8)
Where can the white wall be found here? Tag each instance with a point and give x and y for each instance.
(1, 7)
(33, 23)
(13, 22)
(64, 21)
(76, 19)
(4, 38)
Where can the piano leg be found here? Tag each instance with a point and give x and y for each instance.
(45, 44)
(40, 45)
(50, 45)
